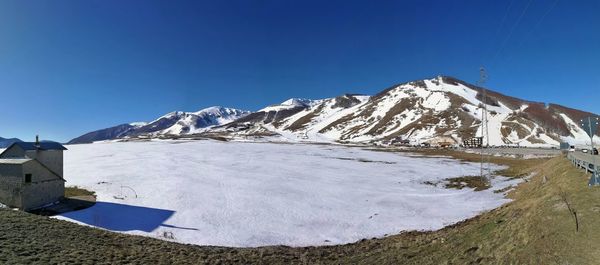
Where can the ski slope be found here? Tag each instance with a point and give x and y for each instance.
(256, 194)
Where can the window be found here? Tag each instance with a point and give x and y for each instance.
(27, 178)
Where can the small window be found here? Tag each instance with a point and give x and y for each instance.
(27, 178)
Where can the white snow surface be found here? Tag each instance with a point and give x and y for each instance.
(138, 123)
(256, 194)
(290, 103)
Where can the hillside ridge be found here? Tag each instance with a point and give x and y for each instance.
(440, 109)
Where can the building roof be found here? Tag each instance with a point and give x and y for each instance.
(27, 146)
(21, 161)
(14, 161)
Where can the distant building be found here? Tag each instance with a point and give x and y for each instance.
(565, 146)
(442, 141)
(473, 142)
(399, 141)
(31, 174)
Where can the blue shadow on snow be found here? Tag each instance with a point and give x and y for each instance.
(122, 217)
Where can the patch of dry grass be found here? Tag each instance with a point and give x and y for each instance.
(473, 182)
(74, 191)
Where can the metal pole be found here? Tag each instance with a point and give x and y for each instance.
(592, 127)
(482, 135)
(593, 155)
(482, 77)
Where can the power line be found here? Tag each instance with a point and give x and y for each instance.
(544, 15)
(500, 27)
(536, 26)
(510, 32)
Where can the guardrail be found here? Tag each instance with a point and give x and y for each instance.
(581, 163)
(588, 166)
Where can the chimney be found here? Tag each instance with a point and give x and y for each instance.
(37, 140)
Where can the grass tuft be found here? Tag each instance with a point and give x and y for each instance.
(473, 182)
(74, 191)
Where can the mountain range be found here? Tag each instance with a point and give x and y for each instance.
(437, 109)
(4, 143)
(174, 123)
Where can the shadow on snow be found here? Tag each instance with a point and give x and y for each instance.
(122, 217)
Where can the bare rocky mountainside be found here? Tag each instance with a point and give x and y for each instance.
(441, 109)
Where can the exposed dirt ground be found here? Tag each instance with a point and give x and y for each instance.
(552, 220)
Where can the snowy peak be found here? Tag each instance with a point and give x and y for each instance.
(138, 124)
(180, 122)
(292, 103)
(173, 123)
(298, 102)
(221, 112)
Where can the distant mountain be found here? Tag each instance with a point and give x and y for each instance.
(441, 109)
(272, 120)
(174, 123)
(104, 134)
(4, 143)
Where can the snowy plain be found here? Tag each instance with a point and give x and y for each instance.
(256, 194)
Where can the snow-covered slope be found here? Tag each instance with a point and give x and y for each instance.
(180, 123)
(174, 123)
(290, 104)
(433, 110)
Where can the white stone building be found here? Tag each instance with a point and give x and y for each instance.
(31, 174)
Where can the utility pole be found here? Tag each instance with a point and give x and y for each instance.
(484, 121)
(590, 125)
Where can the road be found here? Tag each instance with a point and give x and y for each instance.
(517, 152)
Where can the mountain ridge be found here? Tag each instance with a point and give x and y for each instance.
(6, 142)
(176, 122)
(425, 110)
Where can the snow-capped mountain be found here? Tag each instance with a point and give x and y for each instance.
(174, 123)
(294, 121)
(441, 109)
(432, 110)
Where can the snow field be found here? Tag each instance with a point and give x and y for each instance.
(256, 194)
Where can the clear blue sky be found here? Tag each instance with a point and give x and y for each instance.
(69, 67)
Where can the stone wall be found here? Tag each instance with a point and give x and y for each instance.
(35, 195)
(10, 193)
(43, 189)
(53, 159)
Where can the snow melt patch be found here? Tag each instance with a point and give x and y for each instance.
(138, 124)
(437, 101)
(256, 194)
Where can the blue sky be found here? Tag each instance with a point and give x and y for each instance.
(69, 67)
